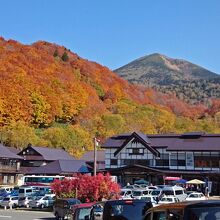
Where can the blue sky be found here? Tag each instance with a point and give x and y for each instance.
(115, 32)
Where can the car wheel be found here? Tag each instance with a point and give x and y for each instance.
(42, 206)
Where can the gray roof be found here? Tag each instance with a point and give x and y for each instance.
(196, 141)
(89, 155)
(51, 153)
(62, 167)
(6, 153)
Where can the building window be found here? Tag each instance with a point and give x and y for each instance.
(136, 151)
(114, 162)
(203, 162)
(163, 161)
(128, 162)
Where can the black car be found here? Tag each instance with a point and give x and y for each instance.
(125, 209)
(63, 207)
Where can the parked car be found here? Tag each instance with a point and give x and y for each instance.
(125, 209)
(80, 211)
(42, 201)
(125, 194)
(62, 208)
(176, 191)
(168, 199)
(191, 210)
(195, 196)
(24, 201)
(11, 201)
(138, 193)
(150, 199)
(6, 190)
(96, 212)
(26, 191)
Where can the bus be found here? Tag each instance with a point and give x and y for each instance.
(40, 180)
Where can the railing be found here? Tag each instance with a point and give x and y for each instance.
(8, 167)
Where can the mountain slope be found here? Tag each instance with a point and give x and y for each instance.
(188, 81)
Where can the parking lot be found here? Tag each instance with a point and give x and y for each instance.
(25, 215)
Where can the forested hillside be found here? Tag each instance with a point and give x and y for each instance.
(189, 82)
(50, 96)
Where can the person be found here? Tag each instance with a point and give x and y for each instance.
(207, 191)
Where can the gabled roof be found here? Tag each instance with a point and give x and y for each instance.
(62, 167)
(142, 139)
(6, 153)
(50, 154)
(191, 141)
(89, 156)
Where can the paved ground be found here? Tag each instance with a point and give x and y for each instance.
(25, 215)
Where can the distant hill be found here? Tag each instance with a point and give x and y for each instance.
(188, 81)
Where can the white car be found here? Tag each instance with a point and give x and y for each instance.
(168, 199)
(24, 201)
(150, 199)
(11, 201)
(42, 201)
(125, 194)
(195, 196)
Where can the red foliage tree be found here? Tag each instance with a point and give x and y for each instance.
(87, 188)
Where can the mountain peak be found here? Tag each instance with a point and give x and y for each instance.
(168, 74)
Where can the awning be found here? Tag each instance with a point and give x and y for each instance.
(172, 178)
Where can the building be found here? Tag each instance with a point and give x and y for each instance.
(62, 167)
(9, 166)
(40, 156)
(153, 157)
(100, 159)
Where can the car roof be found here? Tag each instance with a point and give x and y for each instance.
(187, 204)
(126, 201)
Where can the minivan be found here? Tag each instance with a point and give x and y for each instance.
(176, 191)
(193, 210)
(26, 191)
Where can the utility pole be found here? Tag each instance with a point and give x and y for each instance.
(95, 156)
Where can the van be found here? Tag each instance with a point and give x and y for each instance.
(176, 191)
(62, 208)
(194, 210)
(125, 209)
(26, 191)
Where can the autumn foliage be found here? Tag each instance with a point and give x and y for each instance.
(63, 101)
(87, 188)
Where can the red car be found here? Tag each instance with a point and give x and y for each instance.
(81, 210)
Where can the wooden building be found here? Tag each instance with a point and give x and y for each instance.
(153, 157)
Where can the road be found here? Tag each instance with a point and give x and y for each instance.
(25, 215)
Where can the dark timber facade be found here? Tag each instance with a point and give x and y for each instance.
(153, 157)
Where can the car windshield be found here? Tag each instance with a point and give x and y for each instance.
(136, 193)
(83, 212)
(155, 192)
(73, 202)
(6, 199)
(207, 213)
(122, 193)
(128, 211)
(166, 200)
(193, 195)
(21, 199)
(168, 192)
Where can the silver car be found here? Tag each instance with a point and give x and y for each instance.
(24, 201)
(11, 201)
(42, 201)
